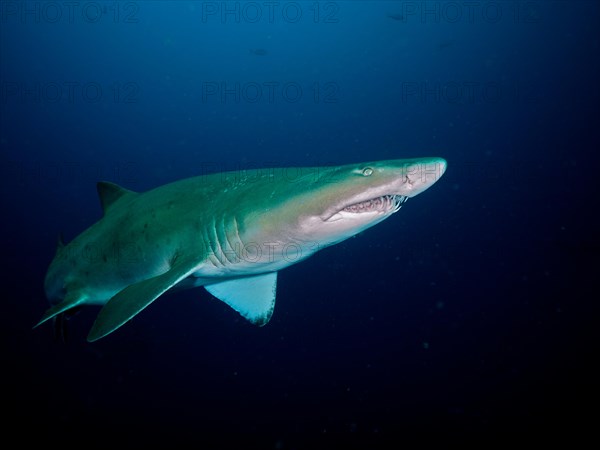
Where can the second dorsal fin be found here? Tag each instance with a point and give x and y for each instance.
(109, 193)
(60, 243)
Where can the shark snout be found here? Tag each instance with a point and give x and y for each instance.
(421, 174)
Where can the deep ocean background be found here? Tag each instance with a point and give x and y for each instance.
(470, 314)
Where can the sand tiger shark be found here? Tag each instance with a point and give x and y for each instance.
(231, 232)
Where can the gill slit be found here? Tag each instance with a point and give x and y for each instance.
(227, 242)
(208, 242)
(217, 249)
(237, 232)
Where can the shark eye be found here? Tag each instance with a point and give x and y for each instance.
(367, 171)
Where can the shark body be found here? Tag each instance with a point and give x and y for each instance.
(230, 232)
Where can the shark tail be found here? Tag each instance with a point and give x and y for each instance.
(71, 300)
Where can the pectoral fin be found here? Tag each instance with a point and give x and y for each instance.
(131, 300)
(253, 297)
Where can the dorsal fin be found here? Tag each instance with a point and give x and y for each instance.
(60, 244)
(109, 193)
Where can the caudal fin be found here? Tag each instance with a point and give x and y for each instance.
(70, 301)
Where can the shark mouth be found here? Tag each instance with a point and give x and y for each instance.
(384, 204)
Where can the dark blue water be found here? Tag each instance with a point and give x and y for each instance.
(470, 313)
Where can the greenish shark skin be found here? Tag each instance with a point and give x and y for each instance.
(230, 232)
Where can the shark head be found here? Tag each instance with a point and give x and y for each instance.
(356, 197)
(329, 204)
